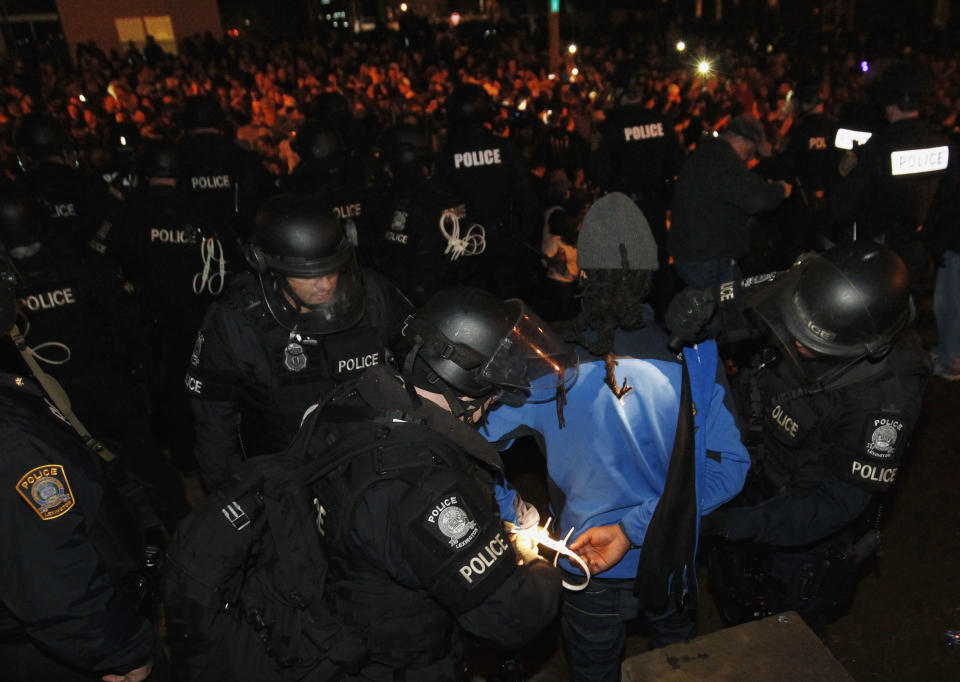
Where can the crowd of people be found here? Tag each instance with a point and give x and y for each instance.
(329, 239)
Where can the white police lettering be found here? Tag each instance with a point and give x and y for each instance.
(846, 139)
(883, 438)
(193, 385)
(911, 161)
(785, 421)
(347, 211)
(480, 157)
(395, 237)
(210, 182)
(816, 143)
(644, 132)
(872, 473)
(478, 564)
(169, 236)
(63, 211)
(48, 299)
(359, 362)
(727, 291)
(821, 332)
(435, 512)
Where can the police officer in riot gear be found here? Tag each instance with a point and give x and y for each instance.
(83, 328)
(119, 166)
(639, 155)
(809, 161)
(230, 182)
(418, 552)
(418, 234)
(331, 111)
(489, 175)
(322, 170)
(77, 202)
(889, 184)
(308, 318)
(178, 264)
(831, 403)
(62, 616)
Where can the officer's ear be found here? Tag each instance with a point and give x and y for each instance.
(255, 257)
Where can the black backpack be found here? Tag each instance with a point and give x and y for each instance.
(245, 574)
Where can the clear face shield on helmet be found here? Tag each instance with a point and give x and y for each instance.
(531, 363)
(315, 297)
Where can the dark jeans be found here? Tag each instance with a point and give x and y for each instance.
(708, 273)
(594, 626)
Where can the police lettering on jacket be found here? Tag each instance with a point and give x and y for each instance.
(475, 566)
(63, 211)
(171, 236)
(357, 363)
(480, 157)
(210, 182)
(643, 132)
(48, 299)
(347, 210)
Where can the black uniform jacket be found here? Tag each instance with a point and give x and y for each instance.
(54, 584)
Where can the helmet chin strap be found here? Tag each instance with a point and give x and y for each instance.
(458, 406)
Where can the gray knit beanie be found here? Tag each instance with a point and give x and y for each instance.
(614, 220)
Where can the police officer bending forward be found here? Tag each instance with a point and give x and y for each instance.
(416, 543)
(60, 616)
(831, 403)
(309, 318)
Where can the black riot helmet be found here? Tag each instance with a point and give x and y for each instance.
(848, 303)
(21, 219)
(202, 111)
(40, 135)
(161, 160)
(407, 153)
(902, 84)
(329, 109)
(321, 149)
(469, 106)
(297, 236)
(466, 342)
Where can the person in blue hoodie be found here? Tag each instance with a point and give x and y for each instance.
(645, 444)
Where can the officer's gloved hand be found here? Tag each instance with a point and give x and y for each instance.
(732, 523)
(527, 550)
(714, 524)
(689, 315)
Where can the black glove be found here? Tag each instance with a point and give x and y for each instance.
(688, 315)
(714, 524)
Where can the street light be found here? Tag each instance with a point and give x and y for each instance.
(703, 67)
(681, 46)
(572, 48)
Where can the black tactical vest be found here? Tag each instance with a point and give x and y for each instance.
(407, 628)
(302, 367)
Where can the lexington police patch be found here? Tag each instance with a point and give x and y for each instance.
(451, 521)
(883, 436)
(47, 491)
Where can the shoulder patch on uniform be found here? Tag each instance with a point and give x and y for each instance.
(47, 491)
(451, 521)
(883, 436)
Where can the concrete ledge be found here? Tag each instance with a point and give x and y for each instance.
(780, 648)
